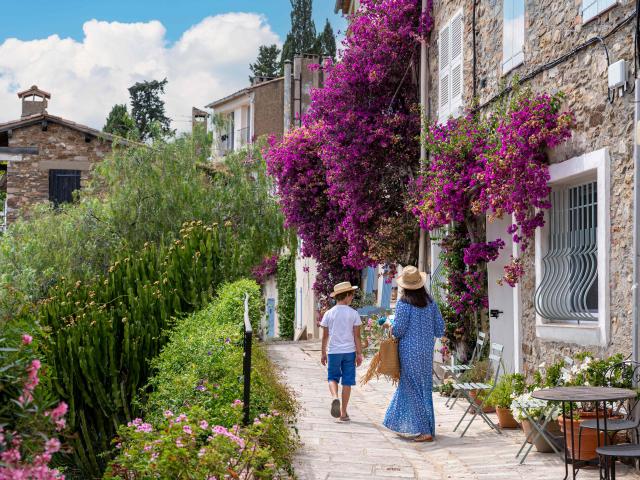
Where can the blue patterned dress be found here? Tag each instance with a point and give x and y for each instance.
(411, 409)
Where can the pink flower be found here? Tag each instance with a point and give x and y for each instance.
(237, 403)
(204, 425)
(187, 429)
(52, 445)
(26, 339)
(168, 414)
(179, 443)
(181, 418)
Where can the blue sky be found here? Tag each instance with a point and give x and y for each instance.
(88, 52)
(36, 19)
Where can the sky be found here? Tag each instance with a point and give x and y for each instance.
(86, 53)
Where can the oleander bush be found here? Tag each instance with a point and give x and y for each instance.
(199, 374)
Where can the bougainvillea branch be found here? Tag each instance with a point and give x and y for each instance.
(359, 144)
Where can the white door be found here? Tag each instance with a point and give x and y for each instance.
(503, 299)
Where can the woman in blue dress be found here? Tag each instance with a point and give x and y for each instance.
(417, 324)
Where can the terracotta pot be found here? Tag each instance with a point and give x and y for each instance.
(587, 443)
(486, 409)
(539, 442)
(505, 418)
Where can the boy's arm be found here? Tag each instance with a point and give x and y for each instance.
(325, 340)
(356, 336)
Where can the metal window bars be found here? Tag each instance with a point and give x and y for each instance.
(437, 279)
(568, 290)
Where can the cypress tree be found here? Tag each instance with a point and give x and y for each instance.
(267, 64)
(327, 42)
(302, 37)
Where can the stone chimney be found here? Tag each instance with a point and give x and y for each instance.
(34, 101)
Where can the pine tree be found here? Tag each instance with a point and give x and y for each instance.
(302, 37)
(326, 42)
(267, 63)
(147, 108)
(120, 123)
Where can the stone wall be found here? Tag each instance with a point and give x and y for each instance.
(59, 147)
(269, 108)
(553, 28)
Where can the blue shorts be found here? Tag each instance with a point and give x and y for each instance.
(342, 365)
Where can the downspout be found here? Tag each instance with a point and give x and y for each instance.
(636, 221)
(424, 89)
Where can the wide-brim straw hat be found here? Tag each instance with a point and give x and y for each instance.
(412, 279)
(343, 287)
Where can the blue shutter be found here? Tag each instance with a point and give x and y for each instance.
(371, 274)
(271, 313)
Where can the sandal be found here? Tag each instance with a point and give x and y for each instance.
(423, 438)
(335, 408)
(345, 418)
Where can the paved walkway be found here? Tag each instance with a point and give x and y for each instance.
(363, 449)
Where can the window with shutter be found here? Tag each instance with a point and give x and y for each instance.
(450, 47)
(593, 8)
(62, 184)
(512, 34)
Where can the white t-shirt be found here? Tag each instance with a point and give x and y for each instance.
(340, 321)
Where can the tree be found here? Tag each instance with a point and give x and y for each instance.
(119, 122)
(326, 42)
(147, 108)
(267, 63)
(302, 37)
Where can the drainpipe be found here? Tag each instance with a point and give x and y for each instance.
(636, 221)
(287, 96)
(424, 88)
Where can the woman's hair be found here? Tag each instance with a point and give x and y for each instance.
(418, 297)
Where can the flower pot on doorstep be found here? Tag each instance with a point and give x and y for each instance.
(505, 418)
(486, 409)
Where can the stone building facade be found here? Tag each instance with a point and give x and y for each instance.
(47, 156)
(552, 46)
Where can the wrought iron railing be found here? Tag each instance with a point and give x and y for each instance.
(246, 362)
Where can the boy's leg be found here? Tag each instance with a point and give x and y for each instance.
(333, 388)
(333, 376)
(348, 380)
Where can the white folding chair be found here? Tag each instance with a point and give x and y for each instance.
(457, 370)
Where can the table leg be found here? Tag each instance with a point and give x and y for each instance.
(600, 469)
(573, 442)
(566, 444)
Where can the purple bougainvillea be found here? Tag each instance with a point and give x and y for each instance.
(267, 268)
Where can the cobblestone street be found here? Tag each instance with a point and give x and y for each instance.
(364, 449)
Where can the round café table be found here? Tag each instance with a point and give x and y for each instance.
(573, 395)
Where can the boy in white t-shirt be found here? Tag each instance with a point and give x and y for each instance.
(341, 331)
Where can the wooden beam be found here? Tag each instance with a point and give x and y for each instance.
(19, 150)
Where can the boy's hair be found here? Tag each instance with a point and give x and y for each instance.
(341, 296)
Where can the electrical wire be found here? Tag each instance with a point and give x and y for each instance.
(564, 58)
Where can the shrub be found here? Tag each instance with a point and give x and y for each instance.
(286, 280)
(101, 334)
(30, 426)
(509, 385)
(199, 372)
(191, 446)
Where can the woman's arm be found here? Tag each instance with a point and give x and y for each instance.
(438, 330)
(401, 323)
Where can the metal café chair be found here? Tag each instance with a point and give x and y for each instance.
(539, 429)
(487, 387)
(623, 374)
(456, 370)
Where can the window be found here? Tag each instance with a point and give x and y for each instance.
(62, 184)
(512, 34)
(450, 48)
(572, 251)
(569, 287)
(593, 8)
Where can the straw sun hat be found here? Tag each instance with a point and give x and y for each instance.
(342, 288)
(412, 279)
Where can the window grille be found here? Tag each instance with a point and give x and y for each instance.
(62, 184)
(568, 290)
(437, 281)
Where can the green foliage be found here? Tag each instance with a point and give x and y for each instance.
(191, 446)
(199, 373)
(286, 281)
(326, 42)
(267, 64)
(147, 108)
(477, 373)
(302, 37)
(141, 194)
(508, 385)
(120, 123)
(100, 334)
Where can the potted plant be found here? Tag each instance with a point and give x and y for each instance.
(478, 373)
(502, 397)
(523, 405)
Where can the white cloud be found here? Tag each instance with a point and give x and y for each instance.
(87, 78)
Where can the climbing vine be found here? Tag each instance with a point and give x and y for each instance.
(286, 280)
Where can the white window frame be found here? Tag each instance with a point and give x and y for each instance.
(593, 165)
(601, 6)
(517, 58)
(453, 106)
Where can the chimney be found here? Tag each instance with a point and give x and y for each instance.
(34, 101)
